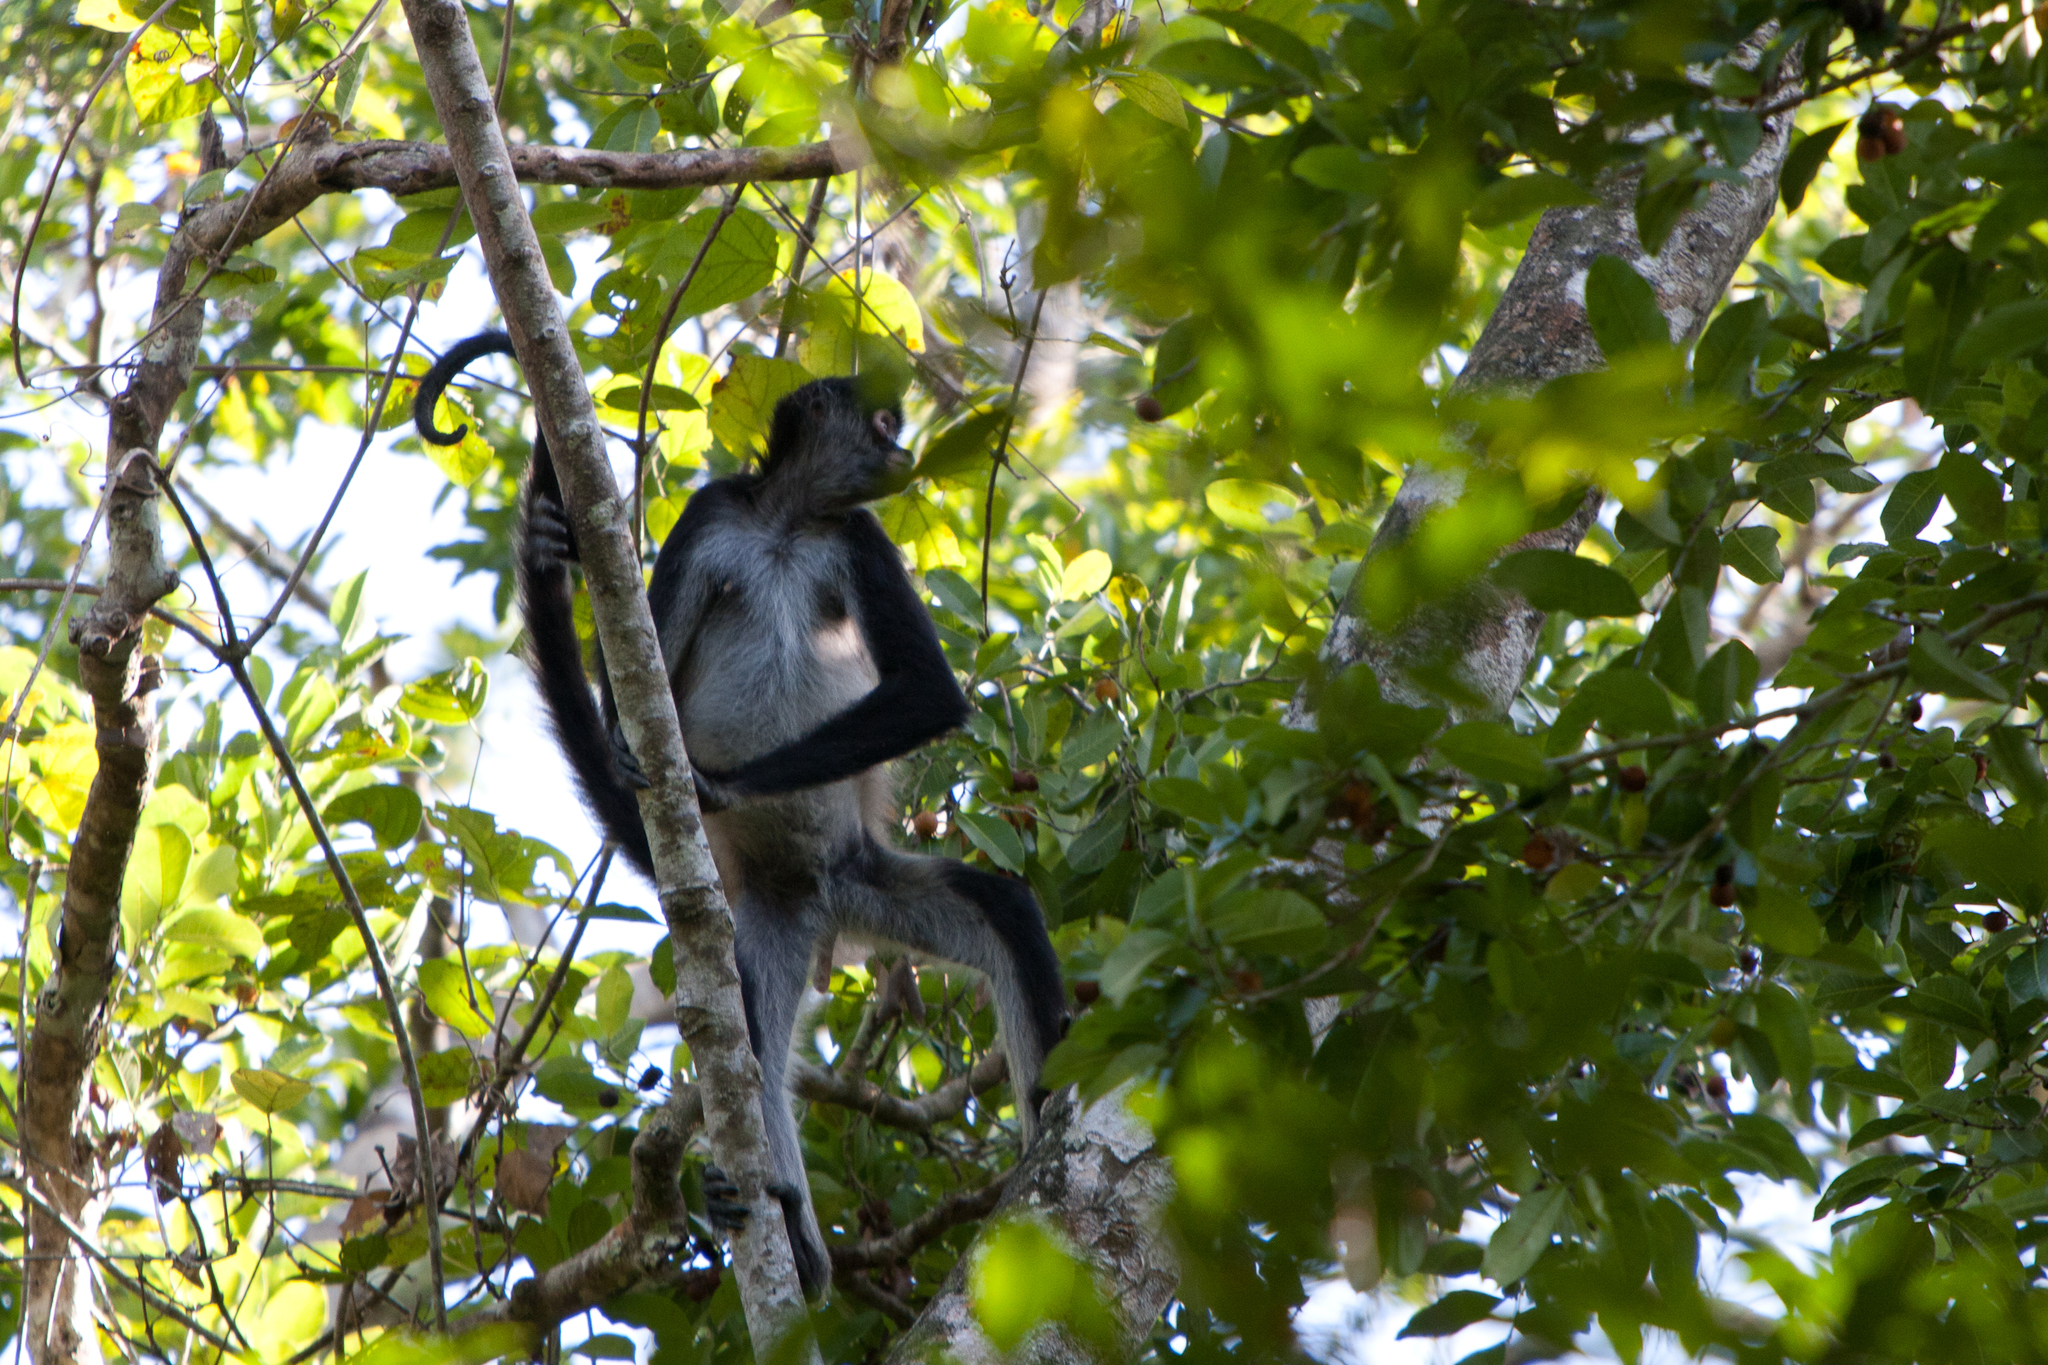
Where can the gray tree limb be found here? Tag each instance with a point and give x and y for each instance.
(708, 1006)
(1538, 333)
(1097, 1180)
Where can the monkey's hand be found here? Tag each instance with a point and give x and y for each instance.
(629, 767)
(722, 1201)
(712, 794)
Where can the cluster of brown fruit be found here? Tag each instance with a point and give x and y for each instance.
(1880, 133)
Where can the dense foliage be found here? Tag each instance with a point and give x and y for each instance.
(1750, 881)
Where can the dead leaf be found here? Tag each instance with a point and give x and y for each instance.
(523, 1181)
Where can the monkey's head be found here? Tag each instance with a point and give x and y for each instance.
(837, 438)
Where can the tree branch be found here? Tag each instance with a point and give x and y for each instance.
(709, 1010)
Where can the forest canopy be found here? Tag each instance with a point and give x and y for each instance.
(1494, 549)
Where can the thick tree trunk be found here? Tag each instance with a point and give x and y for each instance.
(1538, 333)
(1099, 1183)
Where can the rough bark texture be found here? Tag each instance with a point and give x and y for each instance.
(71, 1010)
(1096, 1179)
(708, 1007)
(1537, 333)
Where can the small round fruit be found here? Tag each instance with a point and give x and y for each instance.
(1148, 408)
(1724, 874)
(1355, 803)
(1106, 689)
(1539, 852)
(1870, 149)
(1632, 779)
(1911, 711)
(1982, 766)
(650, 1078)
(1717, 1087)
(607, 1098)
(1721, 895)
(1751, 961)
(1024, 782)
(1885, 762)
(1248, 981)
(1421, 1203)
(925, 823)
(1087, 992)
(1996, 921)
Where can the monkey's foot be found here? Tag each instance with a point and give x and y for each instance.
(722, 1201)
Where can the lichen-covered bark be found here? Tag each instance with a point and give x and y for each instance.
(1097, 1179)
(1537, 333)
(708, 1008)
(71, 1009)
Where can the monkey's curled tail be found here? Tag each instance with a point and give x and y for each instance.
(545, 546)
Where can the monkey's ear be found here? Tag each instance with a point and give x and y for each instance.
(886, 425)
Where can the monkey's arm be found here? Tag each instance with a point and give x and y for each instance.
(916, 700)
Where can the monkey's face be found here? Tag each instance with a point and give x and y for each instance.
(838, 442)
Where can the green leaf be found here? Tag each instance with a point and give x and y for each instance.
(640, 56)
(1621, 308)
(447, 988)
(1910, 506)
(1094, 847)
(169, 74)
(1453, 1312)
(1752, 551)
(743, 403)
(1513, 198)
(740, 262)
(1153, 93)
(1123, 971)
(1721, 362)
(1804, 161)
(1934, 666)
(1558, 580)
(1186, 796)
(1727, 682)
(614, 999)
(1275, 40)
(268, 1091)
(1517, 1244)
(1261, 509)
(348, 81)
(1346, 170)
(223, 930)
(2026, 973)
(1781, 919)
(2016, 759)
(1938, 307)
(391, 813)
(2004, 332)
(1492, 753)
(994, 837)
(1267, 920)
(1213, 64)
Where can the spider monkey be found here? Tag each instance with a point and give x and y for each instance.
(802, 662)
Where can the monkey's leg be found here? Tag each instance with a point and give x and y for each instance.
(773, 948)
(980, 920)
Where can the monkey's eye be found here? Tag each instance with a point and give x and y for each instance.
(886, 425)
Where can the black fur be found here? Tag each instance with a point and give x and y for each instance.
(802, 661)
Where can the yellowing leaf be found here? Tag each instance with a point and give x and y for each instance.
(108, 15)
(1086, 574)
(884, 308)
(743, 401)
(168, 73)
(916, 523)
(269, 1091)
(1260, 509)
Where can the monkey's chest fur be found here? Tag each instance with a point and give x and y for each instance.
(776, 653)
